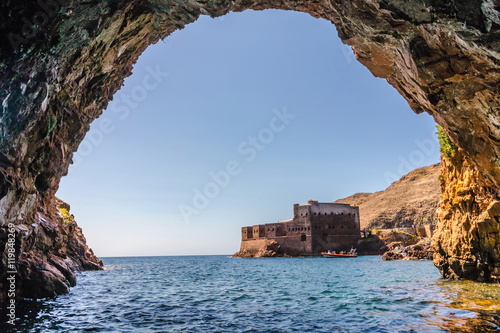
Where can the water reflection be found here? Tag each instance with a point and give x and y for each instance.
(426, 305)
(469, 307)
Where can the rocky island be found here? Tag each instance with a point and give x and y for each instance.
(397, 222)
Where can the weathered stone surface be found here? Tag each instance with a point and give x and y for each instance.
(466, 241)
(441, 55)
(49, 251)
(269, 248)
(316, 227)
(371, 245)
(420, 251)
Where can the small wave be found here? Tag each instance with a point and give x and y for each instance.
(220, 294)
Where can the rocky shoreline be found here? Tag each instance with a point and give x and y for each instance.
(420, 251)
(47, 254)
(391, 244)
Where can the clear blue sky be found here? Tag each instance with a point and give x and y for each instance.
(210, 95)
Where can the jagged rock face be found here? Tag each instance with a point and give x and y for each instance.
(468, 238)
(48, 251)
(59, 74)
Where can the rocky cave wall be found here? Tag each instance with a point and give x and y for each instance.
(61, 61)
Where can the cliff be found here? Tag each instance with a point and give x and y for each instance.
(48, 253)
(62, 61)
(467, 241)
(412, 200)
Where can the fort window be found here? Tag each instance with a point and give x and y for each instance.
(314, 213)
(308, 228)
(303, 238)
(342, 227)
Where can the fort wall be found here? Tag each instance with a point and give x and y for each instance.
(315, 228)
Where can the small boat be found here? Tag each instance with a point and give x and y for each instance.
(350, 254)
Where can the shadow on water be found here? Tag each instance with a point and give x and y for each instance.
(27, 315)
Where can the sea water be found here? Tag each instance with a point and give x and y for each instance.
(223, 294)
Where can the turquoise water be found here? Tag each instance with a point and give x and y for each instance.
(222, 294)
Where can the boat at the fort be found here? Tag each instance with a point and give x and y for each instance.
(351, 254)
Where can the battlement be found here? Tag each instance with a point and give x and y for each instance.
(315, 227)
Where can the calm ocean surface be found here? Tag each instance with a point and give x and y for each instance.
(222, 294)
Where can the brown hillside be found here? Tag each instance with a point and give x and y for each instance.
(412, 200)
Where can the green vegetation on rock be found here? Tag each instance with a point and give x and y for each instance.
(448, 148)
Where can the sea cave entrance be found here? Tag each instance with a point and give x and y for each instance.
(60, 73)
(276, 95)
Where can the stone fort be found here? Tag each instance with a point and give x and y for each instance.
(316, 227)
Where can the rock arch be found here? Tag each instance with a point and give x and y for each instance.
(61, 61)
